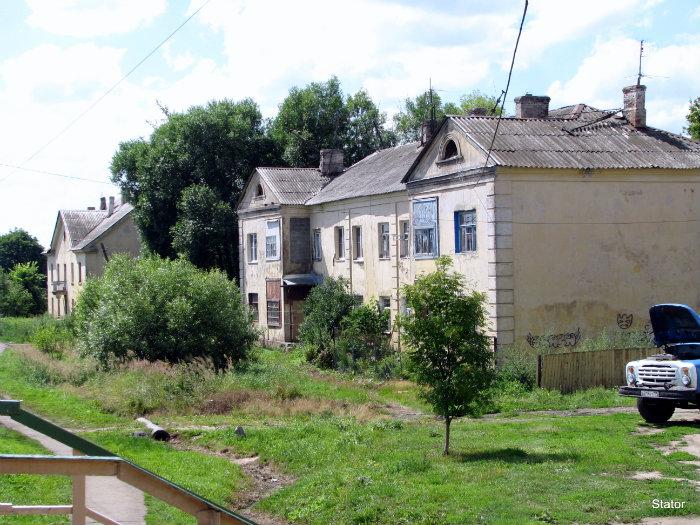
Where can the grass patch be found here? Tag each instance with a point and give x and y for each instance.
(22, 329)
(24, 489)
(562, 470)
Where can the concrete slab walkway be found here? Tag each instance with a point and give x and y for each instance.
(106, 495)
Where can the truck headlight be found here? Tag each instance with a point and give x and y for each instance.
(685, 376)
(630, 375)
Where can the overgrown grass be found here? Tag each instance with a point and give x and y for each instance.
(555, 470)
(22, 329)
(24, 489)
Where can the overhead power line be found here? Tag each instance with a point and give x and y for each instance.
(106, 93)
(53, 173)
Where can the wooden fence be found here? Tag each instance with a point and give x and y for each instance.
(573, 371)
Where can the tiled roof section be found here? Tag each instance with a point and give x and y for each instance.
(81, 222)
(120, 211)
(595, 140)
(380, 172)
(293, 185)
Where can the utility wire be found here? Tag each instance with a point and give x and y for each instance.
(106, 93)
(53, 173)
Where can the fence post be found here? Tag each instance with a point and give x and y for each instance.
(78, 515)
(539, 370)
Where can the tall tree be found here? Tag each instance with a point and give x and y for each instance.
(22, 291)
(693, 119)
(366, 128)
(416, 111)
(309, 119)
(448, 351)
(18, 246)
(216, 146)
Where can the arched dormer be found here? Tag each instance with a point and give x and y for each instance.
(449, 149)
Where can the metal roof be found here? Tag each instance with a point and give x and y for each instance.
(120, 211)
(378, 173)
(593, 139)
(293, 185)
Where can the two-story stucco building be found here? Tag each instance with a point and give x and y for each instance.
(81, 245)
(572, 220)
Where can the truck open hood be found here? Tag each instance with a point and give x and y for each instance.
(674, 324)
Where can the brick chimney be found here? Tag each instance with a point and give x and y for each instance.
(634, 109)
(103, 203)
(331, 162)
(110, 207)
(427, 130)
(531, 106)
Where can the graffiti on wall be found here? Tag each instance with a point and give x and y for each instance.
(567, 339)
(624, 321)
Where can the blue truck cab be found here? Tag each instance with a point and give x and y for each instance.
(663, 382)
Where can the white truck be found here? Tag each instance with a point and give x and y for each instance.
(663, 382)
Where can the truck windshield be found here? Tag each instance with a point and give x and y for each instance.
(687, 351)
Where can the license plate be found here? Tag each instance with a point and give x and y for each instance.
(650, 393)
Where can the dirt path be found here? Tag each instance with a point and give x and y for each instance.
(105, 494)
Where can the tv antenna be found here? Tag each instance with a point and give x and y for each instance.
(641, 54)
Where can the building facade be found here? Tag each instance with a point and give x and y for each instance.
(571, 220)
(82, 243)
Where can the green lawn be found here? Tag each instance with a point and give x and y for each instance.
(355, 464)
(21, 329)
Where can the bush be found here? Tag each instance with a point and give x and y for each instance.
(163, 310)
(53, 339)
(22, 291)
(22, 329)
(517, 363)
(363, 340)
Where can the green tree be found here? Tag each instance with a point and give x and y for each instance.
(363, 337)
(218, 146)
(449, 355)
(324, 310)
(310, 119)
(416, 111)
(18, 246)
(163, 310)
(22, 291)
(693, 119)
(366, 128)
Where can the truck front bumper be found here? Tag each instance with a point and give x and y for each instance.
(676, 395)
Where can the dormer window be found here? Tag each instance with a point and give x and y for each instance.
(259, 192)
(450, 150)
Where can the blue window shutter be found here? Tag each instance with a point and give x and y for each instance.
(458, 244)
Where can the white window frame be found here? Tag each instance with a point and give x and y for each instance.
(357, 251)
(384, 238)
(252, 247)
(404, 239)
(339, 232)
(422, 224)
(316, 247)
(466, 230)
(272, 233)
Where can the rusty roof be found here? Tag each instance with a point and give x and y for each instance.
(293, 185)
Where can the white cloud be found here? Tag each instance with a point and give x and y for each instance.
(88, 18)
(672, 72)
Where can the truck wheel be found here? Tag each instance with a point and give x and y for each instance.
(655, 411)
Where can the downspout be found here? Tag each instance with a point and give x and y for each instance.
(397, 254)
(349, 252)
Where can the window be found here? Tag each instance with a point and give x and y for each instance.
(403, 245)
(253, 305)
(58, 272)
(259, 192)
(357, 243)
(274, 319)
(272, 238)
(80, 272)
(425, 228)
(252, 247)
(339, 243)
(385, 304)
(52, 277)
(465, 231)
(52, 308)
(316, 246)
(65, 274)
(72, 274)
(383, 240)
(450, 150)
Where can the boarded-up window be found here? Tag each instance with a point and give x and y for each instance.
(300, 228)
(274, 293)
(425, 228)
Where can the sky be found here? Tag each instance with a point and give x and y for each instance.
(58, 57)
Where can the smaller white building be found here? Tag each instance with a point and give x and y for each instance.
(82, 243)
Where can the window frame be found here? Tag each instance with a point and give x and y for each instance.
(254, 305)
(316, 246)
(426, 225)
(273, 303)
(383, 236)
(339, 240)
(80, 272)
(468, 228)
(357, 248)
(252, 247)
(277, 236)
(404, 239)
